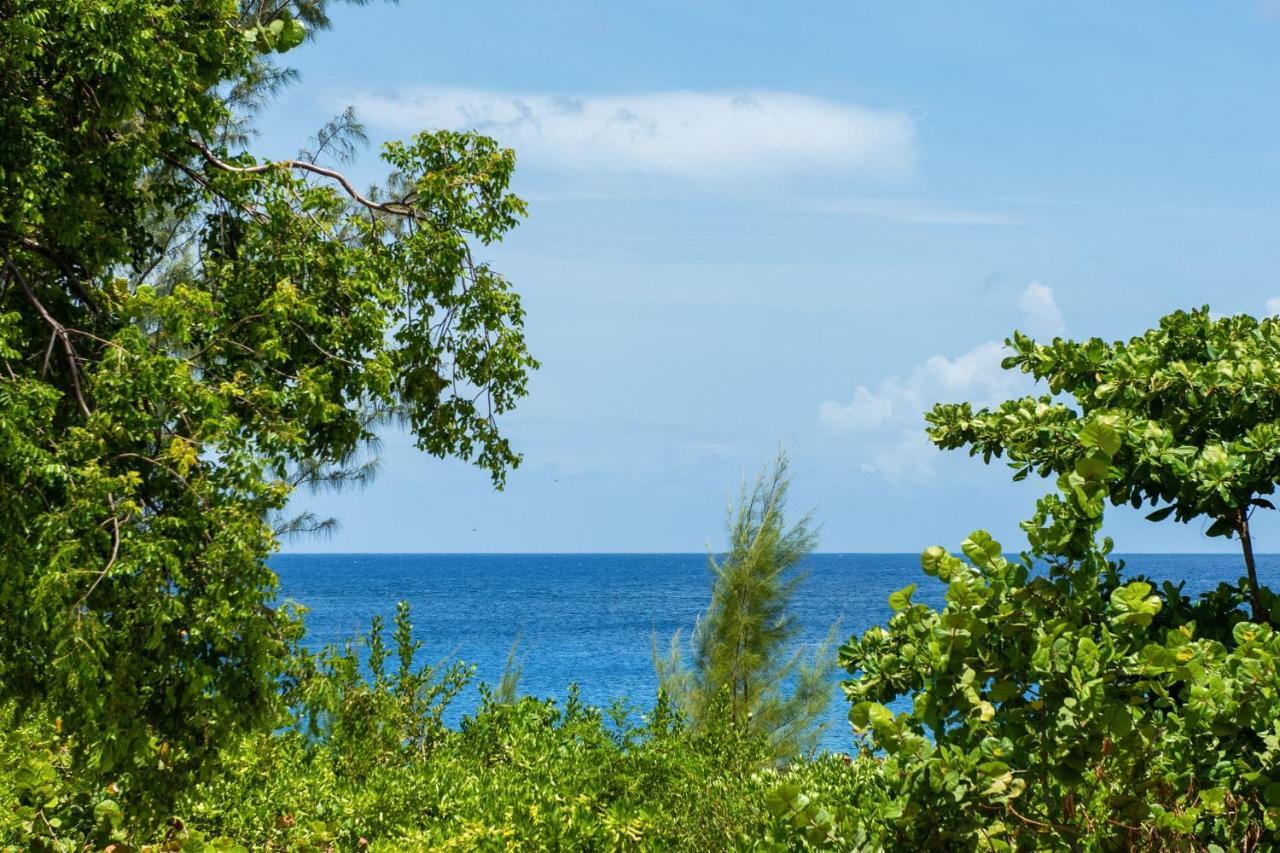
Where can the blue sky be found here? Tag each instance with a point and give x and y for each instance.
(761, 224)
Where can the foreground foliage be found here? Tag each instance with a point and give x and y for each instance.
(370, 763)
(187, 335)
(1054, 702)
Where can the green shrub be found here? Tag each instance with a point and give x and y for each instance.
(1059, 704)
(370, 763)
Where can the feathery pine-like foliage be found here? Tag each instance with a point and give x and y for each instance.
(742, 665)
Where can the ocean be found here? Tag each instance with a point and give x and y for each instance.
(592, 619)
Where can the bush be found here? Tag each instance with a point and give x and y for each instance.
(1059, 704)
(369, 763)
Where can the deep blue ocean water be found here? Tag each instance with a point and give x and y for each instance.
(591, 619)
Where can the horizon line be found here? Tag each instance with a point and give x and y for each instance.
(687, 553)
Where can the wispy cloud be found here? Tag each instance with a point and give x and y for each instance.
(684, 134)
(1273, 306)
(889, 415)
(912, 211)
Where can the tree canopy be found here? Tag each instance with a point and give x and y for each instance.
(1185, 416)
(188, 334)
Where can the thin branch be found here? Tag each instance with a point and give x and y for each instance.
(48, 354)
(115, 552)
(302, 165)
(200, 179)
(59, 330)
(156, 462)
(322, 350)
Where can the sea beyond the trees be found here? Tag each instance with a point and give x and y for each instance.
(591, 619)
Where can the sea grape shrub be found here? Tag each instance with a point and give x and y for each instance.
(1187, 413)
(1055, 700)
(1067, 705)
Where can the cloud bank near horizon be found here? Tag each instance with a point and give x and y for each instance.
(894, 409)
(685, 134)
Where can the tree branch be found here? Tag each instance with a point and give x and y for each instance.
(393, 208)
(115, 552)
(73, 278)
(59, 331)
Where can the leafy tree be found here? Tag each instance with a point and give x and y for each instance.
(187, 334)
(1057, 704)
(1186, 417)
(741, 666)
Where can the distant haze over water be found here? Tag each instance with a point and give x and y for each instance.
(592, 618)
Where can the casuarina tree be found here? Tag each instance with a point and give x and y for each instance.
(743, 661)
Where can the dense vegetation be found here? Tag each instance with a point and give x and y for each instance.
(189, 334)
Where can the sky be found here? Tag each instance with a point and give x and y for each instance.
(756, 226)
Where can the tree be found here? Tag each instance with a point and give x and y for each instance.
(1187, 418)
(187, 334)
(1057, 704)
(741, 664)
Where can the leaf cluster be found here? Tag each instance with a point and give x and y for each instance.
(1190, 411)
(1057, 704)
(189, 334)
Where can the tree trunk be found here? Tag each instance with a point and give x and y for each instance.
(1246, 544)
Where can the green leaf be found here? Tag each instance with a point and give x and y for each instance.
(901, 599)
(1101, 436)
(1092, 467)
(981, 549)
(1134, 604)
(1213, 799)
(781, 799)
(1002, 691)
(292, 34)
(1247, 632)
(1221, 527)
(932, 559)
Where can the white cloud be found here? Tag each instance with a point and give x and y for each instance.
(912, 211)
(890, 416)
(1273, 306)
(1040, 311)
(975, 376)
(686, 134)
(907, 459)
